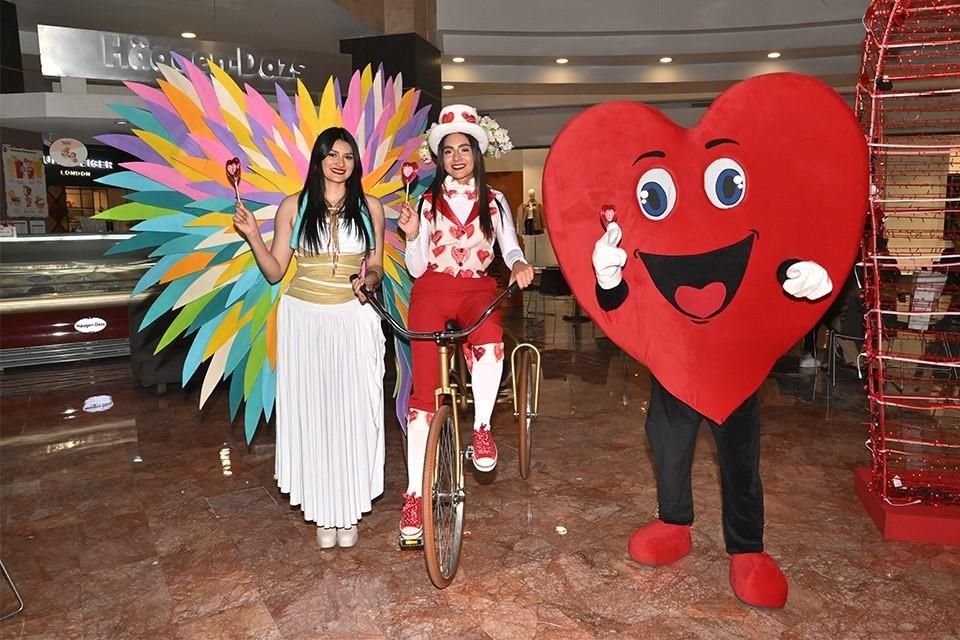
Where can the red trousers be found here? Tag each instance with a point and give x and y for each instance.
(436, 299)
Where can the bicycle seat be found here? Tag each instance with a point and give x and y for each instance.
(451, 326)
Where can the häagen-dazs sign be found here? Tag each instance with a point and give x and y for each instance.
(102, 55)
(90, 325)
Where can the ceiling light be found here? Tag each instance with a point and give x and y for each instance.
(773, 55)
(448, 87)
(459, 59)
(188, 34)
(666, 59)
(562, 61)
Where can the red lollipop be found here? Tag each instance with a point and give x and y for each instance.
(233, 174)
(608, 214)
(408, 171)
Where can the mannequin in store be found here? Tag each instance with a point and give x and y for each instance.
(529, 218)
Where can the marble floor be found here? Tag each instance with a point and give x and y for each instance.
(153, 519)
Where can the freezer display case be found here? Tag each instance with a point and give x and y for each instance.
(63, 300)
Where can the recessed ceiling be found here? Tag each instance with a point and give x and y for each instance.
(614, 50)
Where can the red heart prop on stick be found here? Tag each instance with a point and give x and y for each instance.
(233, 174)
(408, 172)
(775, 170)
(608, 214)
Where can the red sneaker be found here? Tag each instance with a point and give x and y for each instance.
(411, 517)
(658, 543)
(484, 450)
(757, 580)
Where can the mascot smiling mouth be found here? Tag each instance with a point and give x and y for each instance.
(702, 285)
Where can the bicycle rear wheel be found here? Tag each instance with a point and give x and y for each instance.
(526, 383)
(443, 499)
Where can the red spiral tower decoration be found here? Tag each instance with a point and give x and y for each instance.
(908, 100)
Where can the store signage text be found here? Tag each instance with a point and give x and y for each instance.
(102, 55)
(83, 171)
(90, 163)
(90, 325)
(100, 161)
(140, 53)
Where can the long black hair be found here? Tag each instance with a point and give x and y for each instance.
(479, 177)
(354, 205)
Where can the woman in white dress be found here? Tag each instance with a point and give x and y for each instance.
(330, 348)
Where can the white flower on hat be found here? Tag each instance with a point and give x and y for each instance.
(499, 141)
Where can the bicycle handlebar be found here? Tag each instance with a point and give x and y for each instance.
(437, 336)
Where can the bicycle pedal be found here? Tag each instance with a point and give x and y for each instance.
(410, 544)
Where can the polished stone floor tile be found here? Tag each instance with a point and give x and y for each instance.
(154, 519)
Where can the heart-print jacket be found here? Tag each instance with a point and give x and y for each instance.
(450, 239)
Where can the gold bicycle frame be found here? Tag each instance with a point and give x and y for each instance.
(457, 362)
(448, 389)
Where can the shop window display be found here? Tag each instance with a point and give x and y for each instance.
(82, 204)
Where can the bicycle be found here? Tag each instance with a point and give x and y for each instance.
(443, 487)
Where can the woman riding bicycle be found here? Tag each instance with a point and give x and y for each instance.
(450, 247)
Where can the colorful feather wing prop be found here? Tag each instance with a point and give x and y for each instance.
(182, 202)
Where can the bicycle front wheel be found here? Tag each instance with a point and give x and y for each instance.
(443, 499)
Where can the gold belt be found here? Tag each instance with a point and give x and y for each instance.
(317, 282)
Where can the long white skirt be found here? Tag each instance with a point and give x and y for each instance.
(330, 443)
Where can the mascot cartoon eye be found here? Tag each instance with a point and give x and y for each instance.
(725, 182)
(656, 193)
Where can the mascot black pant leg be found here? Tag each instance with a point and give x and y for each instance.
(672, 428)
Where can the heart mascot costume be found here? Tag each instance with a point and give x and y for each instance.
(706, 253)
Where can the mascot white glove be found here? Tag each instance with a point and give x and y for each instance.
(807, 279)
(608, 258)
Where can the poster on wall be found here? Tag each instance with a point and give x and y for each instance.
(24, 185)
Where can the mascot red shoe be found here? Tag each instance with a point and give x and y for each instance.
(718, 249)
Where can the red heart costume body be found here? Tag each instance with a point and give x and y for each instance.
(449, 257)
(723, 252)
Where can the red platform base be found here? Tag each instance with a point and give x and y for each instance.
(914, 523)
